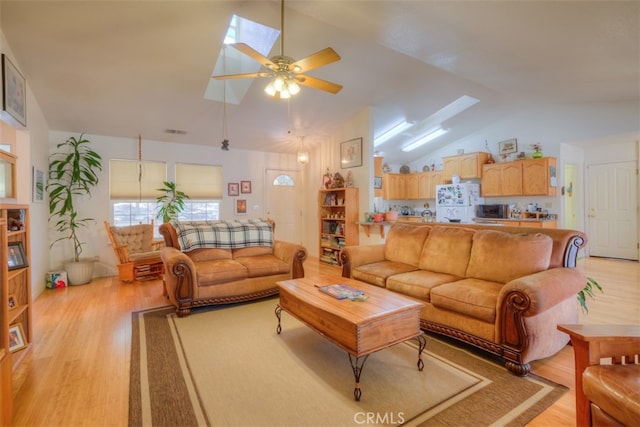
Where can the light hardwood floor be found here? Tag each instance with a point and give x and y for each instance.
(78, 371)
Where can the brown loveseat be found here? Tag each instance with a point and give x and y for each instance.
(502, 289)
(222, 262)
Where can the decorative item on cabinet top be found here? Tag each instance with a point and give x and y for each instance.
(405, 169)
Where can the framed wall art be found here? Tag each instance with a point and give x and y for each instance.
(509, 146)
(241, 207)
(38, 185)
(14, 89)
(233, 189)
(245, 187)
(16, 257)
(351, 153)
(16, 337)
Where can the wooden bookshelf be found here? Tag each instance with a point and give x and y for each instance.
(338, 214)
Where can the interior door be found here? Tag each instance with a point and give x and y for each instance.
(282, 203)
(612, 210)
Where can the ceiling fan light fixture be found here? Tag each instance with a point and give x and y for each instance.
(270, 89)
(293, 87)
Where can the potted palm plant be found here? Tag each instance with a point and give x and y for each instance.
(73, 172)
(171, 202)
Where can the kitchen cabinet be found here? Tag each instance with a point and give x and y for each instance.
(393, 186)
(411, 186)
(528, 177)
(539, 177)
(466, 166)
(377, 174)
(338, 213)
(501, 179)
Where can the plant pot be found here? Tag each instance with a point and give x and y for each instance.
(537, 154)
(79, 273)
(391, 216)
(378, 217)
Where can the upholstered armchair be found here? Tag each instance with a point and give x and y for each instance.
(607, 375)
(137, 253)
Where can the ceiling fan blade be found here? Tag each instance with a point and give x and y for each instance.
(254, 54)
(315, 83)
(318, 59)
(242, 76)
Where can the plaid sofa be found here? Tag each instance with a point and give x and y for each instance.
(223, 262)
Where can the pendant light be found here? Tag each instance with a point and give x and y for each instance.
(303, 154)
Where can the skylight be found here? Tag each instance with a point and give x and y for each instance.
(230, 61)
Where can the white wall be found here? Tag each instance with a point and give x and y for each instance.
(235, 165)
(32, 151)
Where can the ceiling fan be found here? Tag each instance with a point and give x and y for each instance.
(286, 73)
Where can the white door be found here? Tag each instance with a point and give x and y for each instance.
(612, 210)
(282, 203)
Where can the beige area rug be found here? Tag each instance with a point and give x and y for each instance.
(227, 366)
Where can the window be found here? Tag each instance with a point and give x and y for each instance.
(284, 180)
(133, 200)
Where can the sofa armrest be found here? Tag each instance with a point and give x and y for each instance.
(544, 289)
(180, 278)
(293, 254)
(354, 256)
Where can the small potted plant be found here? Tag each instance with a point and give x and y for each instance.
(172, 201)
(537, 150)
(73, 172)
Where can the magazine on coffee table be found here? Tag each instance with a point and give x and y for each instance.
(342, 291)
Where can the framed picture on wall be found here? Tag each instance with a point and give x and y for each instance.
(38, 185)
(14, 88)
(233, 189)
(351, 153)
(245, 187)
(509, 146)
(241, 207)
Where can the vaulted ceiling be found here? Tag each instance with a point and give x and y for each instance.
(141, 67)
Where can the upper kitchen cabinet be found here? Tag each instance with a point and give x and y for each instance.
(529, 177)
(411, 186)
(501, 179)
(539, 177)
(466, 166)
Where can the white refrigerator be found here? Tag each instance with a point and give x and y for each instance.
(457, 202)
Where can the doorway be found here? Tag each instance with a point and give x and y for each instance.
(282, 203)
(612, 210)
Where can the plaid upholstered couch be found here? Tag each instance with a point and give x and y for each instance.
(222, 262)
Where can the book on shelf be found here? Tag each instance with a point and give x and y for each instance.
(342, 291)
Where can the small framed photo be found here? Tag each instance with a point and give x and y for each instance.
(241, 207)
(38, 185)
(233, 189)
(16, 257)
(16, 337)
(245, 187)
(351, 153)
(14, 88)
(377, 182)
(13, 302)
(509, 146)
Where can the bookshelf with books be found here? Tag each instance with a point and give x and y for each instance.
(338, 214)
(18, 279)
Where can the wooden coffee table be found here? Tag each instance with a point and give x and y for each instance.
(359, 327)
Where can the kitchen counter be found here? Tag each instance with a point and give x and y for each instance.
(520, 222)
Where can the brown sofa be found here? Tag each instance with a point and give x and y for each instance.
(502, 289)
(222, 262)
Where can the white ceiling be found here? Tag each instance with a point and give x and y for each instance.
(123, 68)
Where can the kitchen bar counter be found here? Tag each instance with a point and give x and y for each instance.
(520, 222)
